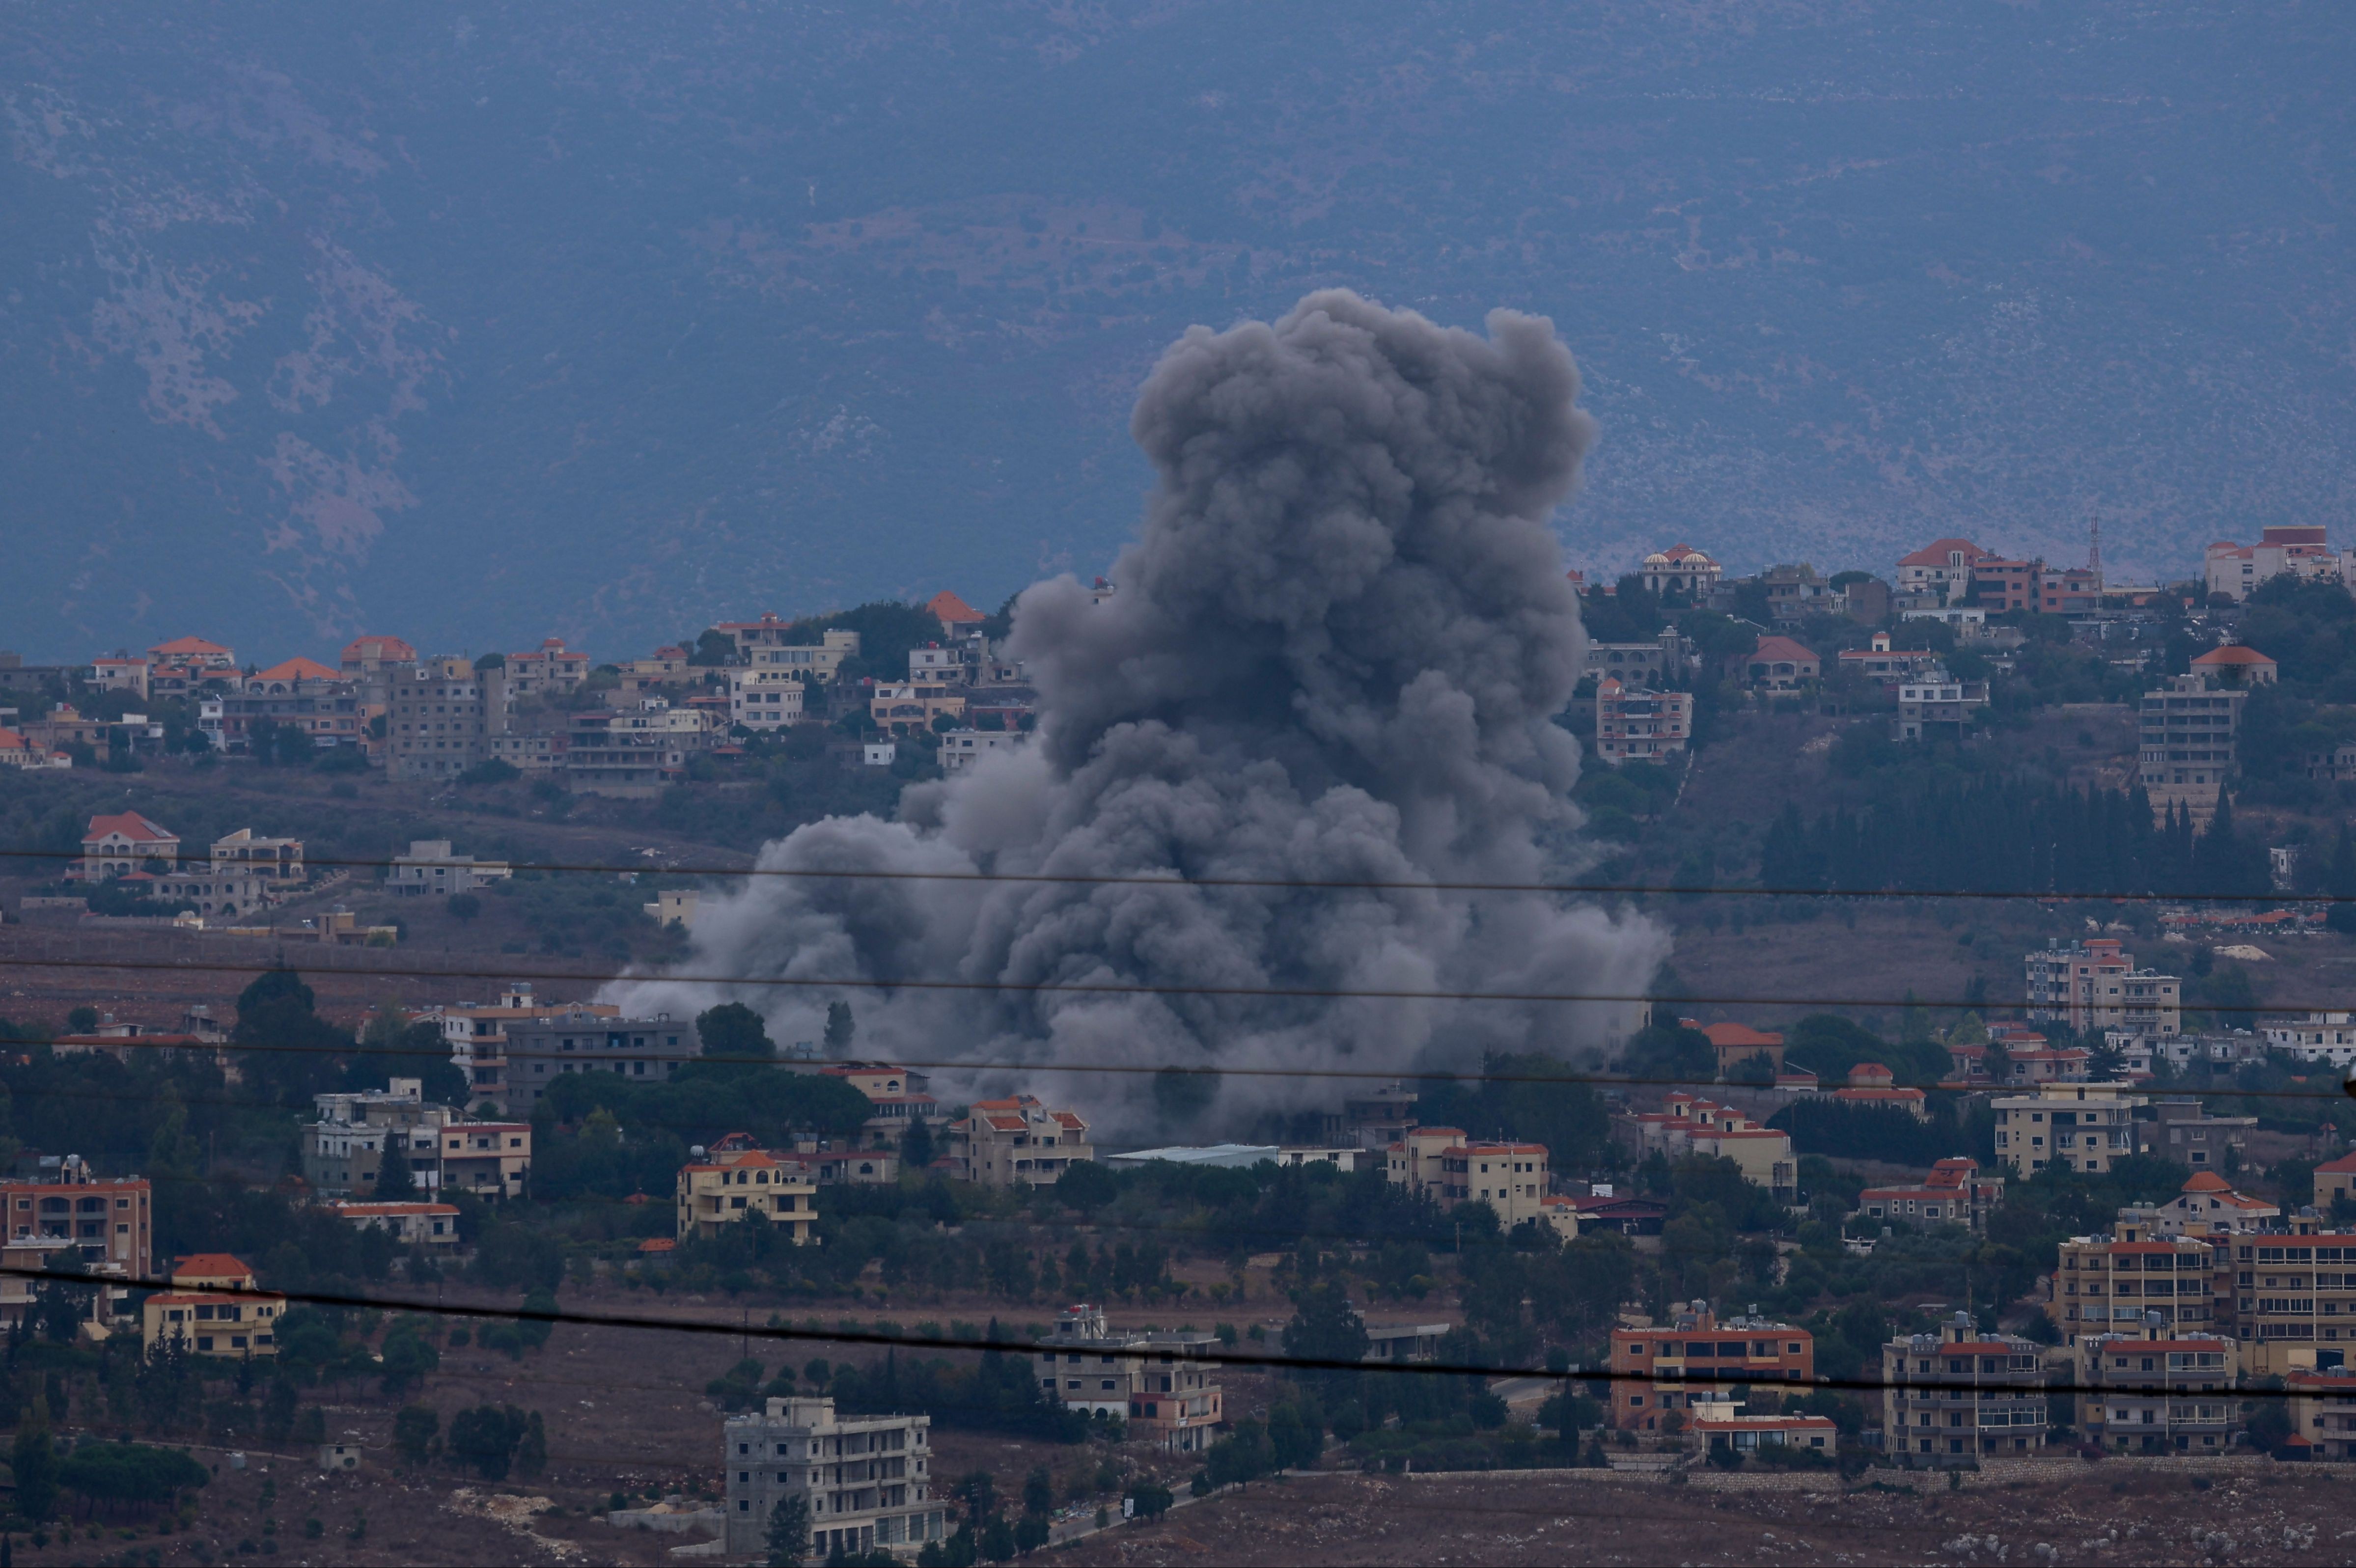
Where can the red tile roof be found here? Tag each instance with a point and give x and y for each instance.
(210, 1266)
(297, 669)
(2232, 653)
(391, 649)
(947, 607)
(1783, 648)
(187, 645)
(132, 826)
(1739, 1034)
(1935, 553)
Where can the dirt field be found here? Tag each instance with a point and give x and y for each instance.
(2110, 1515)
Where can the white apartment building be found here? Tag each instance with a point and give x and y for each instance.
(344, 1150)
(1934, 705)
(766, 699)
(2300, 549)
(431, 867)
(2319, 1037)
(2087, 1126)
(960, 749)
(2096, 985)
(867, 1479)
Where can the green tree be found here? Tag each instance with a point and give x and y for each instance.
(841, 1028)
(463, 907)
(485, 1438)
(916, 1152)
(1150, 1498)
(736, 1033)
(1325, 1327)
(789, 1535)
(413, 1432)
(34, 1459)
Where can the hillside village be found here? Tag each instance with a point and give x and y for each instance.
(2100, 1208)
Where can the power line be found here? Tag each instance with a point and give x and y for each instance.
(394, 1054)
(1059, 987)
(788, 1334)
(1174, 880)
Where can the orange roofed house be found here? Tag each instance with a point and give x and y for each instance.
(2235, 664)
(1778, 663)
(957, 617)
(1954, 1193)
(1943, 567)
(1663, 1378)
(119, 844)
(1739, 1043)
(195, 653)
(372, 656)
(1017, 1142)
(213, 1309)
(1871, 1083)
(737, 1184)
(1688, 1124)
(286, 678)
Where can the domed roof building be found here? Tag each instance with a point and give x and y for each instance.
(1681, 569)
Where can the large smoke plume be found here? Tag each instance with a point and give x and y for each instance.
(1335, 653)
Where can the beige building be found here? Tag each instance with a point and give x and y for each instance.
(746, 1184)
(1441, 1164)
(2323, 1410)
(866, 1479)
(1645, 726)
(440, 714)
(1017, 1142)
(489, 1159)
(1960, 1395)
(213, 1309)
(2158, 1390)
(764, 698)
(912, 705)
(2086, 1127)
(2096, 985)
(1689, 1124)
(2117, 1283)
(1157, 1382)
(2187, 735)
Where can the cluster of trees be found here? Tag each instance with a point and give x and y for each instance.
(2007, 835)
(492, 1440)
(993, 1391)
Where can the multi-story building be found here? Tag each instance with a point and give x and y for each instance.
(764, 698)
(2323, 1409)
(817, 664)
(2335, 1179)
(1942, 568)
(368, 658)
(1934, 705)
(1443, 1164)
(2094, 983)
(667, 666)
(2131, 1273)
(276, 860)
(118, 844)
(621, 767)
(489, 1159)
(961, 749)
(344, 1150)
(2182, 1130)
(1885, 667)
(1157, 1381)
(331, 712)
(1655, 1371)
(1953, 1193)
(898, 1097)
(121, 673)
(431, 867)
(440, 714)
(2297, 1287)
(580, 1040)
(2319, 1037)
(2002, 585)
(1017, 1142)
(1646, 726)
(1683, 571)
(866, 1480)
(900, 709)
(2187, 732)
(216, 889)
(213, 1309)
(1872, 1085)
(550, 669)
(733, 1185)
(110, 1219)
(1688, 1124)
(1961, 1396)
(478, 1036)
(1778, 664)
(2298, 550)
(2159, 1389)
(196, 653)
(1796, 592)
(2085, 1127)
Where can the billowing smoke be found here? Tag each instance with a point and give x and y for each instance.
(1335, 653)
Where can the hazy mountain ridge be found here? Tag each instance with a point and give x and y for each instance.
(480, 325)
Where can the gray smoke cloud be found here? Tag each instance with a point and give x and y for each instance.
(1335, 653)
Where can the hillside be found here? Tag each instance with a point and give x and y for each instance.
(485, 323)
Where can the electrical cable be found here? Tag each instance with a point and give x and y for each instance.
(85, 1044)
(1060, 988)
(1175, 881)
(1224, 1356)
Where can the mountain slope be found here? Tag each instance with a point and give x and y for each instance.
(481, 323)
